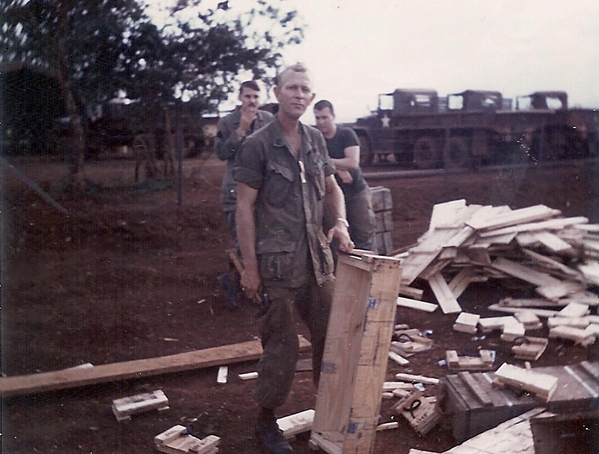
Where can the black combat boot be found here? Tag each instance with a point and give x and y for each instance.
(269, 434)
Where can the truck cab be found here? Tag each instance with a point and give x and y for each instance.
(554, 100)
(477, 100)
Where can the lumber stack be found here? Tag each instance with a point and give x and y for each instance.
(535, 245)
(383, 212)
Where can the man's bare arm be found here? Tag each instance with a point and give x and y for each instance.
(246, 235)
(351, 161)
(334, 203)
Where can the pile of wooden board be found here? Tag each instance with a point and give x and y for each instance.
(536, 245)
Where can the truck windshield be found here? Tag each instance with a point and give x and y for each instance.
(386, 101)
(455, 102)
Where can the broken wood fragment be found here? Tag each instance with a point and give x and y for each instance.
(529, 319)
(398, 359)
(489, 324)
(411, 292)
(579, 336)
(574, 310)
(177, 440)
(466, 323)
(417, 379)
(512, 331)
(540, 384)
(464, 362)
(414, 304)
(223, 372)
(125, 407)
(529, 348)
(296, 423)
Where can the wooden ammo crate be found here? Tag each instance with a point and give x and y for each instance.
(356, 354)
(566, 433)
(475, 405)
(382, 206)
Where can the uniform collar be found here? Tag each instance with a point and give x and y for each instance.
(279, 139)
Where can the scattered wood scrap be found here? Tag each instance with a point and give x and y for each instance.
(409, 342)
(124, 407)
(455, 361)
(177, 440)
(417, 379)
(466, 323)
(540, 384)
(529, 348)
(421, 412)
(579, 336)
(512, 330)
(297, 423)
(416, 304)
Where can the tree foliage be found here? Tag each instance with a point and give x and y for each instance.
(100, 49)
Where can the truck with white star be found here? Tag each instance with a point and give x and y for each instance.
(419, 129)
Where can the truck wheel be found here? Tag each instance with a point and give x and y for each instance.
(457, 155)
(366, 155)
(426, 153)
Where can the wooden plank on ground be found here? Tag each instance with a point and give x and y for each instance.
(530, 302)
(73, 378)
(449, 304)
(546, 313)
(417, 379)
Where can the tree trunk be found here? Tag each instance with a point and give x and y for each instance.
(77, 142)
(76, 148)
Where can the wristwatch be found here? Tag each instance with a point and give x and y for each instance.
(344, 222)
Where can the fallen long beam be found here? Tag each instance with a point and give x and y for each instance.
(73, 378)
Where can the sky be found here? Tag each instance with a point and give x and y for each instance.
(357, 49)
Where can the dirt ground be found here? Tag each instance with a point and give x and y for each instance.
(131, 274)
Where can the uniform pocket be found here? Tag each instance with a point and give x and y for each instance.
(279, 182)
(276, 259)
(276, 266)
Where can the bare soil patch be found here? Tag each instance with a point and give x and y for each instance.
(131, 274)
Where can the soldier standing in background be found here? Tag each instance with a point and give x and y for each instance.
(232, 131)
(344, 149)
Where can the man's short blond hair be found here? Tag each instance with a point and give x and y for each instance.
(297, 68)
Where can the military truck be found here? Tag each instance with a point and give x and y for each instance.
(475, 127)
